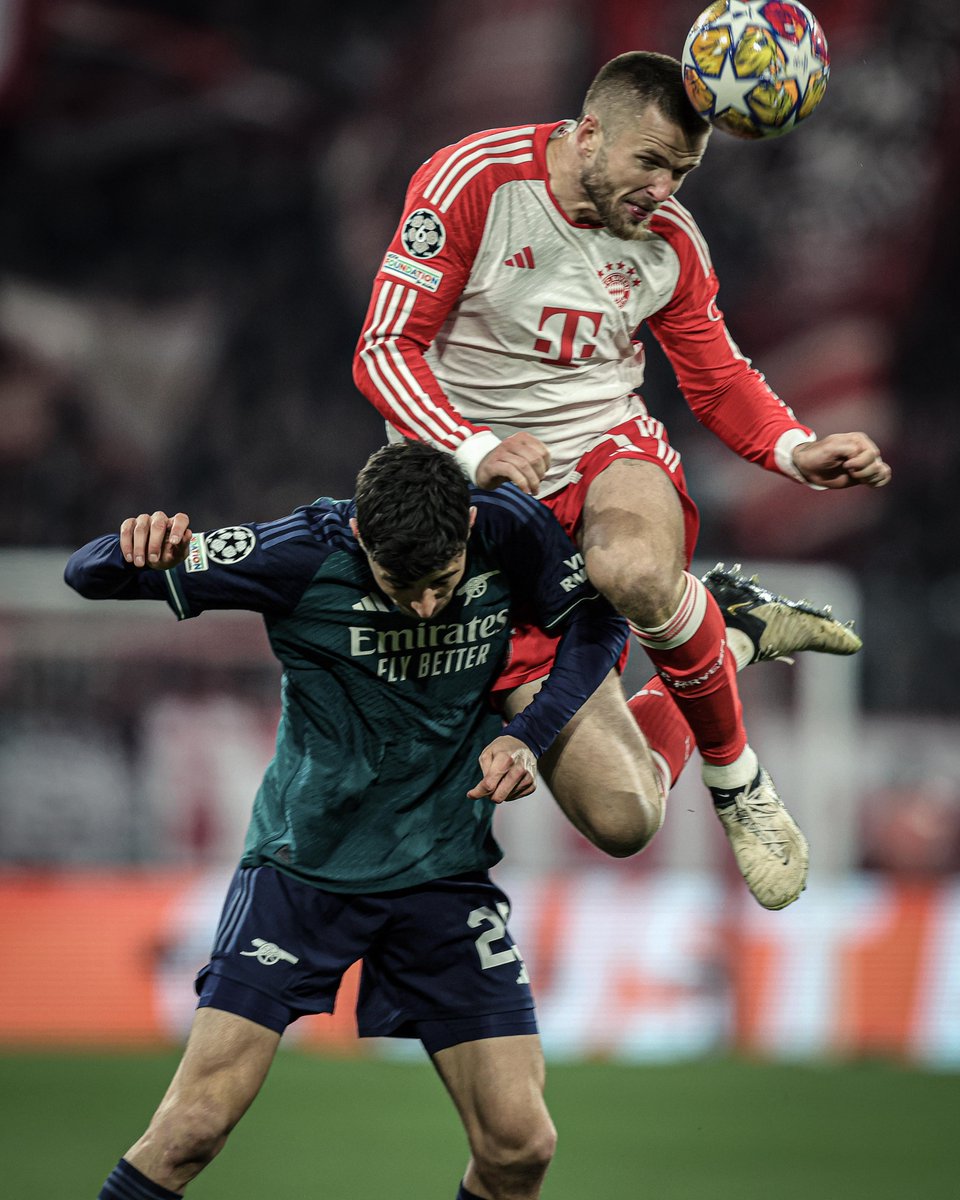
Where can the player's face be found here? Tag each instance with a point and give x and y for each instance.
(631, 175)
(425, 597)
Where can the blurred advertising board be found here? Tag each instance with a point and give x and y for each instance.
(665, 966)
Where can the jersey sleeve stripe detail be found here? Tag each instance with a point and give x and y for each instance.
(518, 503)
(384, 379)
(475, 170)
(479, 144)
(671, 211)
(404, 396)
(569, 609)
(331, 531)
(393, 378)
(296, 520)
(457, 163)
(269, 543)
(176, 600)
(272, 533)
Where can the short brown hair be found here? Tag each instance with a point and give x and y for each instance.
(631, 81)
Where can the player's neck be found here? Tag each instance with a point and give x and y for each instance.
(563, 174)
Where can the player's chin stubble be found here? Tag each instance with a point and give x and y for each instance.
(613, 216)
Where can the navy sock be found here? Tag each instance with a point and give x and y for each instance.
(125, 1182)
(463, 1194)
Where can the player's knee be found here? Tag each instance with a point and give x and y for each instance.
(618, 844)
(516, 1155)
(622, 837)
(638, 584)
(618, 822)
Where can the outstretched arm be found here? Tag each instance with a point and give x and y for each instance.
(154, 556)
(124, 566)
(842, 460)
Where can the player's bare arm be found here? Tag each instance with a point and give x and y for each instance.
(520, 458)
(509, 771)
(842, 460)
(156, 540)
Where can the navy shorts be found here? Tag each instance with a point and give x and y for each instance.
(438, 961)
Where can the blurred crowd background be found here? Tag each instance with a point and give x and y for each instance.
(195, 198)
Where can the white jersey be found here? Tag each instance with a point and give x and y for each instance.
(493, 312)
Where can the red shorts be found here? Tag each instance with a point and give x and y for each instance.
(531, 650)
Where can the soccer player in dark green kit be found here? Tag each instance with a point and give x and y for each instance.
(371, 831)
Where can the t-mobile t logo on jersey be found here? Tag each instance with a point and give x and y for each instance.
(564, 329)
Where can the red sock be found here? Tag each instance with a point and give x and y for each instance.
(699, 673)
(668, 735)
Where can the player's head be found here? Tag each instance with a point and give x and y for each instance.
(630, 83)
(639, 136)
(413, 520)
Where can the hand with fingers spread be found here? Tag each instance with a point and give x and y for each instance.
(509, 771)
(520, 458)
(842, 460)
(155, 540)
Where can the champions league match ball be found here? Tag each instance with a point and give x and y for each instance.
(755, 70)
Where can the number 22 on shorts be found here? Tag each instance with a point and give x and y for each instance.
(497, 920)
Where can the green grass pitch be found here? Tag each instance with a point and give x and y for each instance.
(366, 1130)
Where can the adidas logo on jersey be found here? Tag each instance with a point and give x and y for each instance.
(372, 603)
(523, 258)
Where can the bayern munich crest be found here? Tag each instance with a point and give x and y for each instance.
(619, 279)
(423, 234)
(231, 544)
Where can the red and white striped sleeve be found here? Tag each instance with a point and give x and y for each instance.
(724, 391)
(420, 280)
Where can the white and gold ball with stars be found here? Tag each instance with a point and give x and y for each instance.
(755, 69)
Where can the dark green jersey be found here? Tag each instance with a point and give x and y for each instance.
(383, 714)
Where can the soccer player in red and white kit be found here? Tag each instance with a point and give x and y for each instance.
(502, 327)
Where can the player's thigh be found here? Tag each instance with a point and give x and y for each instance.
(633, 534)
(497, 1087)
(224, 1064)
(600, 771)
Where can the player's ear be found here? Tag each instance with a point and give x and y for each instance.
(473, 517)
(588, 133)
(355, 530)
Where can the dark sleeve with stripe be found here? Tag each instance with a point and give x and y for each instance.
(589, 647)
(261, 567)
(550, 586)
